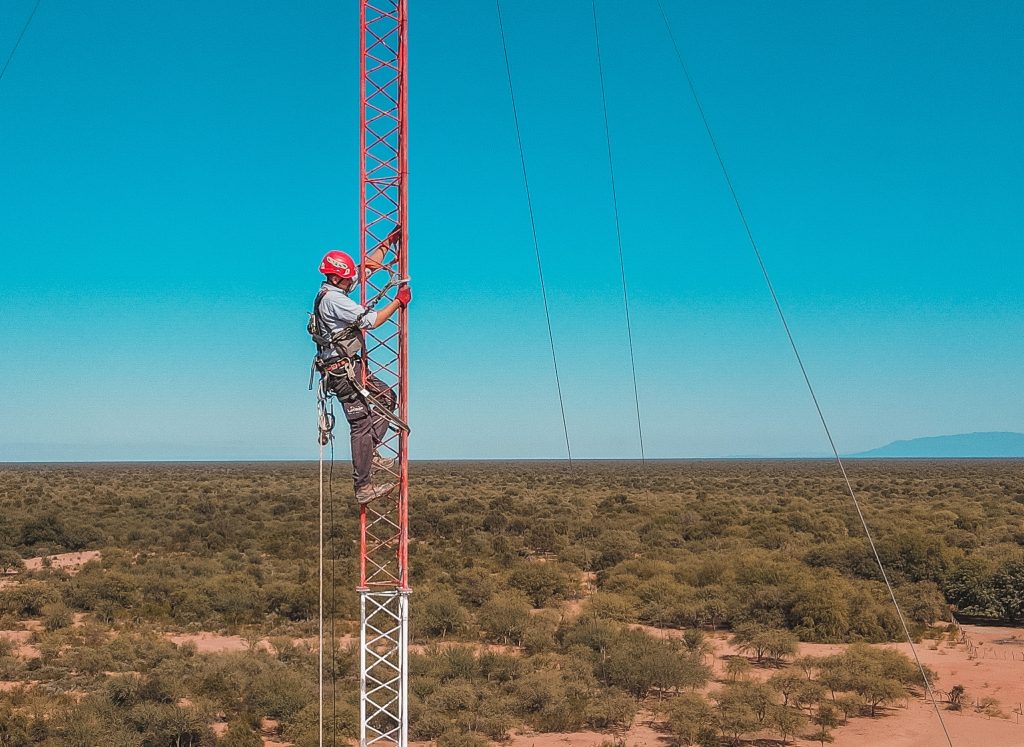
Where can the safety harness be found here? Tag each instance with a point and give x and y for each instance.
(337, 354)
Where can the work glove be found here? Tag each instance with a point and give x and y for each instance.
(404, 295)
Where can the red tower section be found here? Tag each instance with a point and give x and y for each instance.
(384, 528)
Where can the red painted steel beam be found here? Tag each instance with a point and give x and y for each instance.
(384, 524)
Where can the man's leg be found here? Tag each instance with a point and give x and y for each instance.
(386, 396)
(363, 443)
(360, 428)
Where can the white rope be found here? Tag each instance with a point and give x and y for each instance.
(320, 628)
(320, 634)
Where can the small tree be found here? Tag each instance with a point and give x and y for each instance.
(850, 704)
(737, 668)
(822, 735)
(877, 691)
(1006, 590)
(808, 695)
(10, 561)
(834, 675)
(56, 616)
(786, 684)
(735, 715)
(638, 662)
(780, 644)
(240, 734)
(827, 716)
(956, 697)
(608, 709)
(765, 642)
(504, 617)
(541, 582)
(749, 639)
(784, 721)
(826, 719)
(610, 606)
(690, 719)
(697, 644)
(808, 664)
(440, 614)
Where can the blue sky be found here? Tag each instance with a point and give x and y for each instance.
(173, 173)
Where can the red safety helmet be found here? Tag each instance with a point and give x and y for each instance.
(338, 263)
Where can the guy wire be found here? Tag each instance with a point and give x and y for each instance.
(618, 233)
(533, 228)
(803, 369)
(17, 42)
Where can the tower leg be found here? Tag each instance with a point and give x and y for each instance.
(384, 668)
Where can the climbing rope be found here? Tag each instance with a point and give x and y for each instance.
(320, 576)
(618, 232)
(800, 362)
(325, 413)
(533, 228)
(17, 42)
(334, 594)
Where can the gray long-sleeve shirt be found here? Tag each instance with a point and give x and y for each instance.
(338, 311)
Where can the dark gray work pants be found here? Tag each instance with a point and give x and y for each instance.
(368, 428)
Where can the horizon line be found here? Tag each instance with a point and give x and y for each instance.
(156, 462)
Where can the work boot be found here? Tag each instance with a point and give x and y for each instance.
(369, 493)
(383, 462)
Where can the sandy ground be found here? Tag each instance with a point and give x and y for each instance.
(71, 562)
(917, 726)
(212, 643)
(24, 649)
(269, 729)
(8, 685)
(641, 734)
(220, 729)
(913, 726)
(68, 561)
(215, 643)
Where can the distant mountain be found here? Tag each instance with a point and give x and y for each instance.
(991, 445)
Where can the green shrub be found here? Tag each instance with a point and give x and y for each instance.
(240, 734)
(542, 582)
(504, 617)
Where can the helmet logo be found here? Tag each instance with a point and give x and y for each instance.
(339, 263)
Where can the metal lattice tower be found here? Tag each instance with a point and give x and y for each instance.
(384, 524)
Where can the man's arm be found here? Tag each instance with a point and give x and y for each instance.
(375, 259)
(401, 300)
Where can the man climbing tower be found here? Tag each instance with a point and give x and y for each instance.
(337, 326)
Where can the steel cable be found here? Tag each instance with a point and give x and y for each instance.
(533, 228)
(17, 42)
(800, 362)
(618, 232)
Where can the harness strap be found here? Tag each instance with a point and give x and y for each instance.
(318, 338)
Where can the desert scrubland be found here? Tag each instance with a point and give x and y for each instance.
(695, 602)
